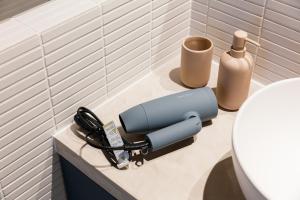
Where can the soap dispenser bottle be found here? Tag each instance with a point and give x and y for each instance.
(235, 71)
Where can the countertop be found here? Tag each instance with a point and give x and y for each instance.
(178, 172)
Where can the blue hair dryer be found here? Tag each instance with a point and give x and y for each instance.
(173, 118)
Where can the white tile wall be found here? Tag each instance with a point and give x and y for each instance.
(279, 55)
(26, 119)
(72, 41)
(65, 54)
(127, 41)
(199, 17)
(274, 23)
(170, 25)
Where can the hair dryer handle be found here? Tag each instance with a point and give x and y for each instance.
(174, 133)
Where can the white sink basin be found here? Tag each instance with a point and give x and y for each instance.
(266, 142)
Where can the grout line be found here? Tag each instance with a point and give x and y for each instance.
(2, 196)
(44, 66)
(260, 30)
(48, 81)
(151, 31)
(104, 46)
(206, 23)
(190, 18)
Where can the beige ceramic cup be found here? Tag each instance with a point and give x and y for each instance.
(196, 58)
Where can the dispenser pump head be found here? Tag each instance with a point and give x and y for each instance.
(239, 40)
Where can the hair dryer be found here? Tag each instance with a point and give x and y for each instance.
(177, 116)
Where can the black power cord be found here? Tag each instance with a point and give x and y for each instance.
(95, 136)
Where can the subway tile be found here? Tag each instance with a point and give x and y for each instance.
(170, 24)
(78, 96)
(75, 67)
(267, 73)
(25, 129)
(23, 108)
(294, 3)
(168, 42)
(120, 22)
(283, 20)
(204, 2)
(129, 81)
(26, 148)
(196, 32)
(233, 21)
(25, 138)
(80, 85)
(236, 12)
(169, 33)
(281, 41)
(171, 14)
(128, 75)
(166, 8)
(113, 57)
(257, 2)
(174, 53)
(284, 9)
(108, 6)
(21, 85)
(73, 35)
(28, 154)
(112, 75)
(41, 193)
(21, 180)
(24, 118)
(158, 3)
(126, 29)
(199, 7)
(260, 79)
(131, 55)
(27, 166)
(246, 6)
(23, 96)
(20, 61)
(281, 51)
(286, 73)
(50, 18)
(21, 74)
(123, 10)
(130, 37)
(70, 111)
(10, 37)
(199, 17)
(227, 28)
(72, 47)
(63, 85)
(165, 52)
(34, 191)
(279, 60)
(41, 179)
(198, 27)
(74, 57)
(281, 30)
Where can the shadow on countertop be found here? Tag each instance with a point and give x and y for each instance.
(222, 183)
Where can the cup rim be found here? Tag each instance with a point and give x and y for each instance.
(197, 37)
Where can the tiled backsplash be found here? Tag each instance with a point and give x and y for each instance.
(65, 54)
(275, 24)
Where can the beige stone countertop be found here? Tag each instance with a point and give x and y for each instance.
(187, 170)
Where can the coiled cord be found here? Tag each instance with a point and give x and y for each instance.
(93, 126)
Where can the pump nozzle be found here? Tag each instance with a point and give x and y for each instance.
(239, 40)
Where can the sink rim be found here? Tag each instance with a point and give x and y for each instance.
(235, 132)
